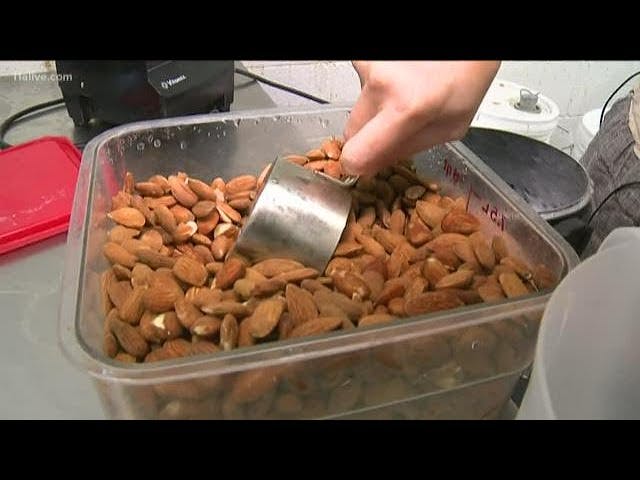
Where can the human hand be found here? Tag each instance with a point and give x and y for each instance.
(408, 107)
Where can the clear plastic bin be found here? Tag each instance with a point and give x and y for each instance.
(461, 363)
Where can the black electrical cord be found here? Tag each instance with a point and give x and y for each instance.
(614, 93)
(8, 122)
(280, 86)
(615, 190)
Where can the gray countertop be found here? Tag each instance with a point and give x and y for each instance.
(36, 380)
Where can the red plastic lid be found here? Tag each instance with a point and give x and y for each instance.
(38, 184)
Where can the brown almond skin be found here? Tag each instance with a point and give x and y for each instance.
(499, 246)
(432, 302)
(375, 319)
(229, 333)
(465, 252)
(300, 305)
(396, 306)
(348, 249)
(166, 219)
(351, 285)
(265, 317)
(128, 217)
(132, 308)
(459, 279)
(190, 271)
(316, 326)
(512, 285)
(182, 192)
(460, 222)
(267, 287)
(241, 183)
(129, 338)
(275, 266)
(232, 270)
(117, 254)
(120, 233)
(201, 189)
(430, 214)
(249, 386)
(154, 259)
(153, 239)
(484, 253)
(417, 232)
(206, 326)
(118, 292)
(186, 312)
(391, 290)
(397, 222)
(490, 292)
(375, 281)
(352, 309)
(297, 275)
(371, 246)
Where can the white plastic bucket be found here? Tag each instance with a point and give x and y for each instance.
(587, 363)
(585, 131)
(498, 111)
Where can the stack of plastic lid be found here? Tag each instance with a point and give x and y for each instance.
(515, 108)
(39, 181)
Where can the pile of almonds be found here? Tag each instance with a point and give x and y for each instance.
(174, 290)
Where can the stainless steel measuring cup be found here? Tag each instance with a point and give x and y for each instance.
(298, 214)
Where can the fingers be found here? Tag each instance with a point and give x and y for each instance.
(376, 144)
(363, 111)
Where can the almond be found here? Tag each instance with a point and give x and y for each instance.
(399, 183)
(459, 279)
(297, 275)
(331, 148)
(432, 302)
(416, 287)
(201, 189)
(375, 319)
(182, 214)
(316, 326)
(129, 338)
(398, 261)
(190, 271)
(447, 256)
(512, 285)
(226, 230)
(391, 289)
(382, 213)
(484, 253)
(121, 200)
(367, 217)
(251, 385)
(243, 287)
(186, 312)
(351, 285)
(221, 246)
(155, 259)
(352, 309)
(490, 292)
(300, 304)
(153, 239)
(434, 270)
(206, 326)
(263, 175)
(315, 154)
(129, 182)
(397, 222)
(430, 214)
(446, 240)
(166, 219)
(297, 159)
(465, 252)
(333, 169)
(275, 266)
(110, 345)
(370, 245)
(106, 279)
(229, 333)
(543, 277)
(149, 189)
(207, 224)
(241, 183)
(499, 246)
(240, 204)
(417, 231)
(388, 239)
(203, 297)
(265, 317)
(460, 222)
(374, 280)
(396, 306)
(267, 287)
(245, 339)
(132, 245)
(313, 285)
(128, 217)
(117, 254)
(120, 233)
(232, 270)
(517, 266)
(203, 208)
(348, 249)
(182, 191)
(161, 296)
(220, 309)
(132, 308)
(415, 192)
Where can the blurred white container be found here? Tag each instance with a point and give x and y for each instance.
(587, 363)
(584, 133)
(515, 108)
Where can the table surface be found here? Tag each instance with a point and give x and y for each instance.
(36, 380)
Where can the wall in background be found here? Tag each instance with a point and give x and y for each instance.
(576, 86)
